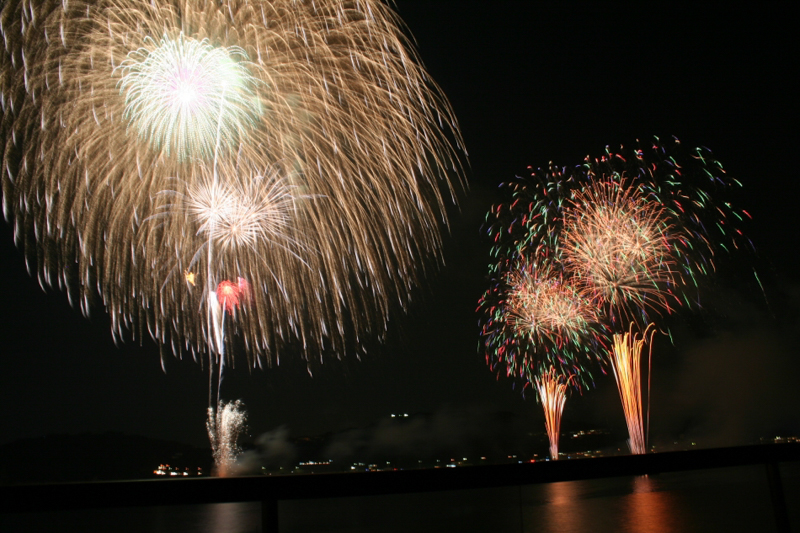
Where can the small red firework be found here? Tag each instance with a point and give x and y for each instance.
(229, 295)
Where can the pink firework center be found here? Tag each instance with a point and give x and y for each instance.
(230, 295)
(187, 90)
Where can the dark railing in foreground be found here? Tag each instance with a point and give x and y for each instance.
(270, 489)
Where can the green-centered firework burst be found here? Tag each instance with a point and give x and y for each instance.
(154, 149)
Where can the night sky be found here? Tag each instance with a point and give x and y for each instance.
(529, 84)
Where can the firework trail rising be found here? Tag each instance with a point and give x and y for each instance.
(552, 391)
(225, 300)
(225, 424)
(626, 356)
(153, 149)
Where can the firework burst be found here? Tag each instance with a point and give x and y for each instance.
(535, 321)
(154, 149)
(618, 246)
(684, 216)
(631, 233)
(184, 95)
(242, 214)
(634, 230)
(543, 306)
(533, 315)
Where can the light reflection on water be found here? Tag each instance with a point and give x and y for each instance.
(216, 518)
(729, 500)
(231, 518)
(640, 505)
(650, 510)
(563, 513)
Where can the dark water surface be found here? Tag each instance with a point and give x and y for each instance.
(725, 500)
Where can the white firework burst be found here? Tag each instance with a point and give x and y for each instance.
(258, 210)
(185, 95)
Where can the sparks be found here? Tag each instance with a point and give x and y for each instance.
(552, 391)
(625, 360)
(225, 424)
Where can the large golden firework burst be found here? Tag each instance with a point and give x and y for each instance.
(153, 149)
